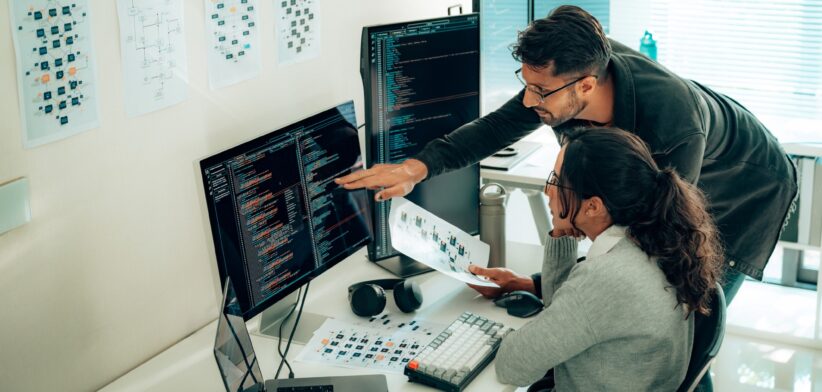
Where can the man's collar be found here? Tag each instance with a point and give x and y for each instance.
(624, 115)
(606, 240)
(624, 94)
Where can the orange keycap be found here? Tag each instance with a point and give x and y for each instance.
(413, 365)
(325, 341)
(389, 344)
(45, 78)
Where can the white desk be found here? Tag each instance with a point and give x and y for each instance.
(529, 176)
(189, 365)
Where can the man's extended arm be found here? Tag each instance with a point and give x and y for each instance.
(460, 148)
(479, 138)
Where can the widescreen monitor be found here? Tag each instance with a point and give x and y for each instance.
(277, 218)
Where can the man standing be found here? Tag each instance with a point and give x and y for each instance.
(574, 76)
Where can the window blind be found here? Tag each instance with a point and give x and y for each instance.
(600, 9)
(765, 54)
(500, 21)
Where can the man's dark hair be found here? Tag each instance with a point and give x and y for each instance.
(569, 39)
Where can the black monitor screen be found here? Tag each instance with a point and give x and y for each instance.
(277, 217)
(422, 81)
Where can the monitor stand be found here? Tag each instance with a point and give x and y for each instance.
(271, 318)
(403, 266)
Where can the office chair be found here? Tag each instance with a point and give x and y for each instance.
(708, 334)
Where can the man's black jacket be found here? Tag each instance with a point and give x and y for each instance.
(709, 138)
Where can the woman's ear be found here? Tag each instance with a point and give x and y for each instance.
(595, 208)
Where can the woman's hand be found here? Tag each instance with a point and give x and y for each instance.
(507, 280)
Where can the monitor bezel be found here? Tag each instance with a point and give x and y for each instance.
(389, 26)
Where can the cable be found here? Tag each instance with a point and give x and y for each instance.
(360, 126)
(291, 336)
(280, 334)
(294, 329)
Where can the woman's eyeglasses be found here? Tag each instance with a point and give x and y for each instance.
(553, 180)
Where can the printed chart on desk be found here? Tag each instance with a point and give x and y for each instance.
(384, 343)
(436, 243)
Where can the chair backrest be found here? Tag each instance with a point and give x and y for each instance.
(708, 334)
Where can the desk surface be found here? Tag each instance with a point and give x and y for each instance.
(189, 365)
(532, 172)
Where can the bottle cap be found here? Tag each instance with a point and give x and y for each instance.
(647, 39)
(493, 194)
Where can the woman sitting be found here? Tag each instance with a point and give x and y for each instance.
(620, 319)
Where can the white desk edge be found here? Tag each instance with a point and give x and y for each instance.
(190, 365)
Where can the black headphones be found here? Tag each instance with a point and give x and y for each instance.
(368, 298)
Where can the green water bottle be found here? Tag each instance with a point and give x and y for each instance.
(647, 45)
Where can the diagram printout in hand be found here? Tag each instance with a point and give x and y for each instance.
(436, 243)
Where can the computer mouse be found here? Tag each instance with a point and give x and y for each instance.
(520, 303)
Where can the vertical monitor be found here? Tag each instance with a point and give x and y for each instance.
(421, 81)
(277, 218)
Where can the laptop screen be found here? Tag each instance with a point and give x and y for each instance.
(232, 348)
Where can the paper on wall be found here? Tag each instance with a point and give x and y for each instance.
(232, 42)
(56, 74)
(152, 46)
(298, 30)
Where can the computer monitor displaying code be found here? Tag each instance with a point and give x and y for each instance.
(277, 218)
(421, 81)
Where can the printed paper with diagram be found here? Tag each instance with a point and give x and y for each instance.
(380, 344)
(56, 76)
(436, 243)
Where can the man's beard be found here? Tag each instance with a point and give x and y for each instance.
(571, 110)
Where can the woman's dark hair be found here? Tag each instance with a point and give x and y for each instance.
(570, 39)
(665, 215)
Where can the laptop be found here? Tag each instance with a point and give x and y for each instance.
(240, 369)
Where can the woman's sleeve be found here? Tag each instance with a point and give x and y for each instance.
(559, 333)
(560, 257)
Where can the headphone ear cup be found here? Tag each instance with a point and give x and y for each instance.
(407, 296)
(367, 300)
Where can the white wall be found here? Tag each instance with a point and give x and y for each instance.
(117, 263)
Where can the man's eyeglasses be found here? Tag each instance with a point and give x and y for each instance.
(540, 95)
(553, 180)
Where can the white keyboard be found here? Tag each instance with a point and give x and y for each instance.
(458, 354)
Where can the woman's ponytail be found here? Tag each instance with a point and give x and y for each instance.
(678, 230)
